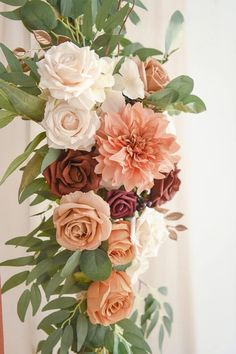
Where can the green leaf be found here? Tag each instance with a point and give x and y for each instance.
(38, 15)
(149, 311)
(169, 311)
(129, 326)
(14, 2)
(23, 304)
(32, 169)
(33, 67)
(116, 19)
(66, 7)
(167, 324)
(21, 158)
(54, 318)
(12, 61)
(12, 15)
(103, 13)
(131, 48)
(137, 341)
(134, 316)
(5, 104)
(95, 264)
(53, 284)
(71, 264)
(35, 298)
(191, 104)
(183, 85)
(88, 20)
(163, 98)
(161, 337)
(134, 18)
(51, 341)
(144, 53)
(14, 281)
(109, 340)
(66, 340)
(163, 290)
(81, 330)
(174, 30)
(51, 156)
(41, 268)
(138, 3)
(24, 104)
(18, 262)
(35, 186)
(153, 323)
(6, 118)
(61, 303)
(19, 79)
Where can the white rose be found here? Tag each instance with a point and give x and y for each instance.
(67, 71)
(69, 127)
(148, 232)
(128, 80)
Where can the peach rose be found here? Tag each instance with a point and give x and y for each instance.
(111, 300)
(120, 248)
(153, 75)
(82, 221)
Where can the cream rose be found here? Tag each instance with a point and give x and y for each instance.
(69, 127)
(67, 71)
(82, 221)
(149, 232)
(111, 300)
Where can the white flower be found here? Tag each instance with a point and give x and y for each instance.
(128, 80)
(147, 235)
(114, 102)
(68, 71)
(105, 80)
(69, 127)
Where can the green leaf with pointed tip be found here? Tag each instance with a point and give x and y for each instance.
(12, 15)
(163, 99)
(183, 85)
(11, 59)
(14, 2)
(41, 268)
(95, 264)
(163, 290)
(81, 330)
(6, 118)
(51, 341)
(24, 104)
(153, 323)
(23, 304)
(103, 13)
(54, 318)
(88, 20)
(66, 340)
(18, 262)
(53, 284)
(137, 341)
(60, 303)
(161, 338)
(169, 311)
(167, 323)
(35, 297)
(71, 264)
(38, 15)
(51, 156)
(174, 30)
(144, 53)
(14, 281)
(35, 186)
(116, 19)
(21, 158)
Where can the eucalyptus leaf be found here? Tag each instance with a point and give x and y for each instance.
(41, 268)
(51, 156)
(153, 323)
(66, 340)
(174, 30)
(88, 20)
(71, 264)
(60, 303)
(103, 13)
(161, 338)
(95, 264)
(19, 79)
(137, 341)
(14, 2)
(163, 290)
(167, 324)
(169, 311)
(23, 304)
(164, 98)
(35, 297)
(117, 19)
(144, 53)
(14, 281)
(38, 15)
(53, 284)
(6, 118)
(183, 85)
(54, 318)
(18, 262)
(12, 61)
(51, 341)
(35, 186)
(12, 15)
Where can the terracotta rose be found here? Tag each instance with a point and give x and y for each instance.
(72, 171)
(111, 300)
(82, 221)
(120, 248)
(153, 74)
(165, 189)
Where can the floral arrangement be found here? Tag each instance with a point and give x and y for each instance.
(106, 160)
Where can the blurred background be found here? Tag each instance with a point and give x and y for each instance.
(200, 268)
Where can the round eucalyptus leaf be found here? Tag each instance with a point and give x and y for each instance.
(95, 264)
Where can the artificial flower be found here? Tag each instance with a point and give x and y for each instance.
(67, 70)
(111, 300)
(153, 74)
(134, 148)
(72, 171)
(122, 204)
(82, 221)
(69, 127)
(120, 247)
(165, 189)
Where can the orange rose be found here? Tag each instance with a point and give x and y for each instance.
(153, 75)
(111, 300)
(120, 248)
(82, 221)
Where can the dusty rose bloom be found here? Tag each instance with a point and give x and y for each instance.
(82, 221)
(111, 300)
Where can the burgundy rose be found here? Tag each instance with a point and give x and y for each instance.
(122, 203)
(165, 189)
(72, 171)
